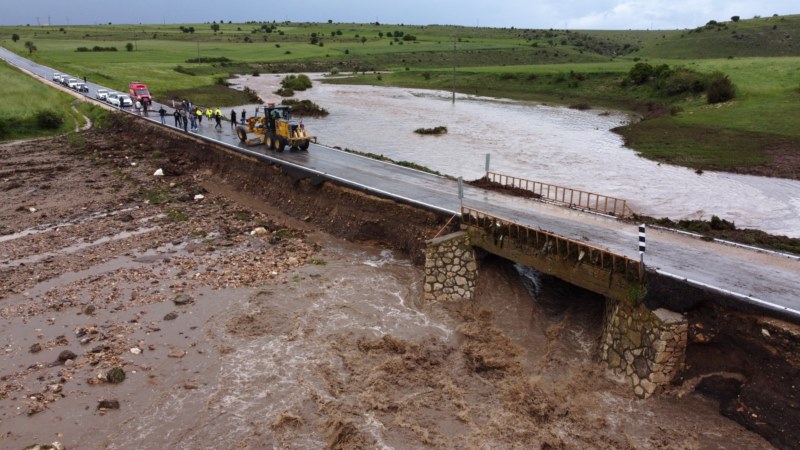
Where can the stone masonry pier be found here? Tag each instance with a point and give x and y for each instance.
(647, 347)
(451, 271)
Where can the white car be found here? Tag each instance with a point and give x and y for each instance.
(81, 87)
(57, 77)
(113, 98)
(102, 94)
(72, 83)
(125, 100)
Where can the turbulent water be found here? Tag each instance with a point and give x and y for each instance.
(546, 143)
(349, 358)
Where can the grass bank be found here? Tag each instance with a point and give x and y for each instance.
(32, 109)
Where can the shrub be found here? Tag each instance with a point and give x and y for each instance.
(252, 96)
(720, 88)
(129, 47)
(305, 107)
(682, 81)
(434, 131)
(296, 82)
(49, 120)
(183, 70)
(82, 49)
(220, 59)
(640, 73)
(284, 92)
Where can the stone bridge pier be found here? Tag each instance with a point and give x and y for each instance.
(647, 347)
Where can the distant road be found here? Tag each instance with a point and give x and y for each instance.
(761, 278)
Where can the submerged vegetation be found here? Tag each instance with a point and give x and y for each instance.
(305, 108)
(435, 130)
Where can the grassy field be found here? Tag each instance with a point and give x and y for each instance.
(24, 98)
(580, 68)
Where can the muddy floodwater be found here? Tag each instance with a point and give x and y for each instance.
(546, 143)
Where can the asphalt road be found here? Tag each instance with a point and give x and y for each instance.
(763, 278)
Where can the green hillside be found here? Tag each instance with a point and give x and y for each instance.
(767, 37)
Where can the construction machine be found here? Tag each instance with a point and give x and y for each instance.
(276, 129)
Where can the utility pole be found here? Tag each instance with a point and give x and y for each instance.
(454, 70)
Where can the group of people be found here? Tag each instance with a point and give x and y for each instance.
(190, 117)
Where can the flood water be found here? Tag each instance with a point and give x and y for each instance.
(551, 144)
(349, 358)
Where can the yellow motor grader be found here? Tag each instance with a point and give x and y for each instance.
(276, 129)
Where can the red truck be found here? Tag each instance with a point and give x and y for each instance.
(138, 92)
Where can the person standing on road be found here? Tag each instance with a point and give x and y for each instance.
(144, 107)
(243, 119)
(233, 118)
(162, 113)
(185, 120)
(209, 114)
(218, 118)
(193, 119)
(177, 116)
(199, 113)
(138, 107)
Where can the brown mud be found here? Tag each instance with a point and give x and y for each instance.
(237, 321)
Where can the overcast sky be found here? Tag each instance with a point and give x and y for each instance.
(573, 14)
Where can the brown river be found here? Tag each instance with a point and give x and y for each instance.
(349, 358)
(546, 143)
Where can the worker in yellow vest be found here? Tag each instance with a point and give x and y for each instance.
(218, 118)
(199, 113)
(209, 114)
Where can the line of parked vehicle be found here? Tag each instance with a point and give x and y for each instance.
(117, 99)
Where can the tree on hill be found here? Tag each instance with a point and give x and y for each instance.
(215, 27)
(735, 18)
(30, 46)
(129, 47)
(15, 37)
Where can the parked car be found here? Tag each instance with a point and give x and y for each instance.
(102, 94)
(57, 77)
(81, 87)
(72, 82)
(113, 98)
(125, 100)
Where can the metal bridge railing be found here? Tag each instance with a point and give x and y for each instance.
(553, 244)
(566, 196)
